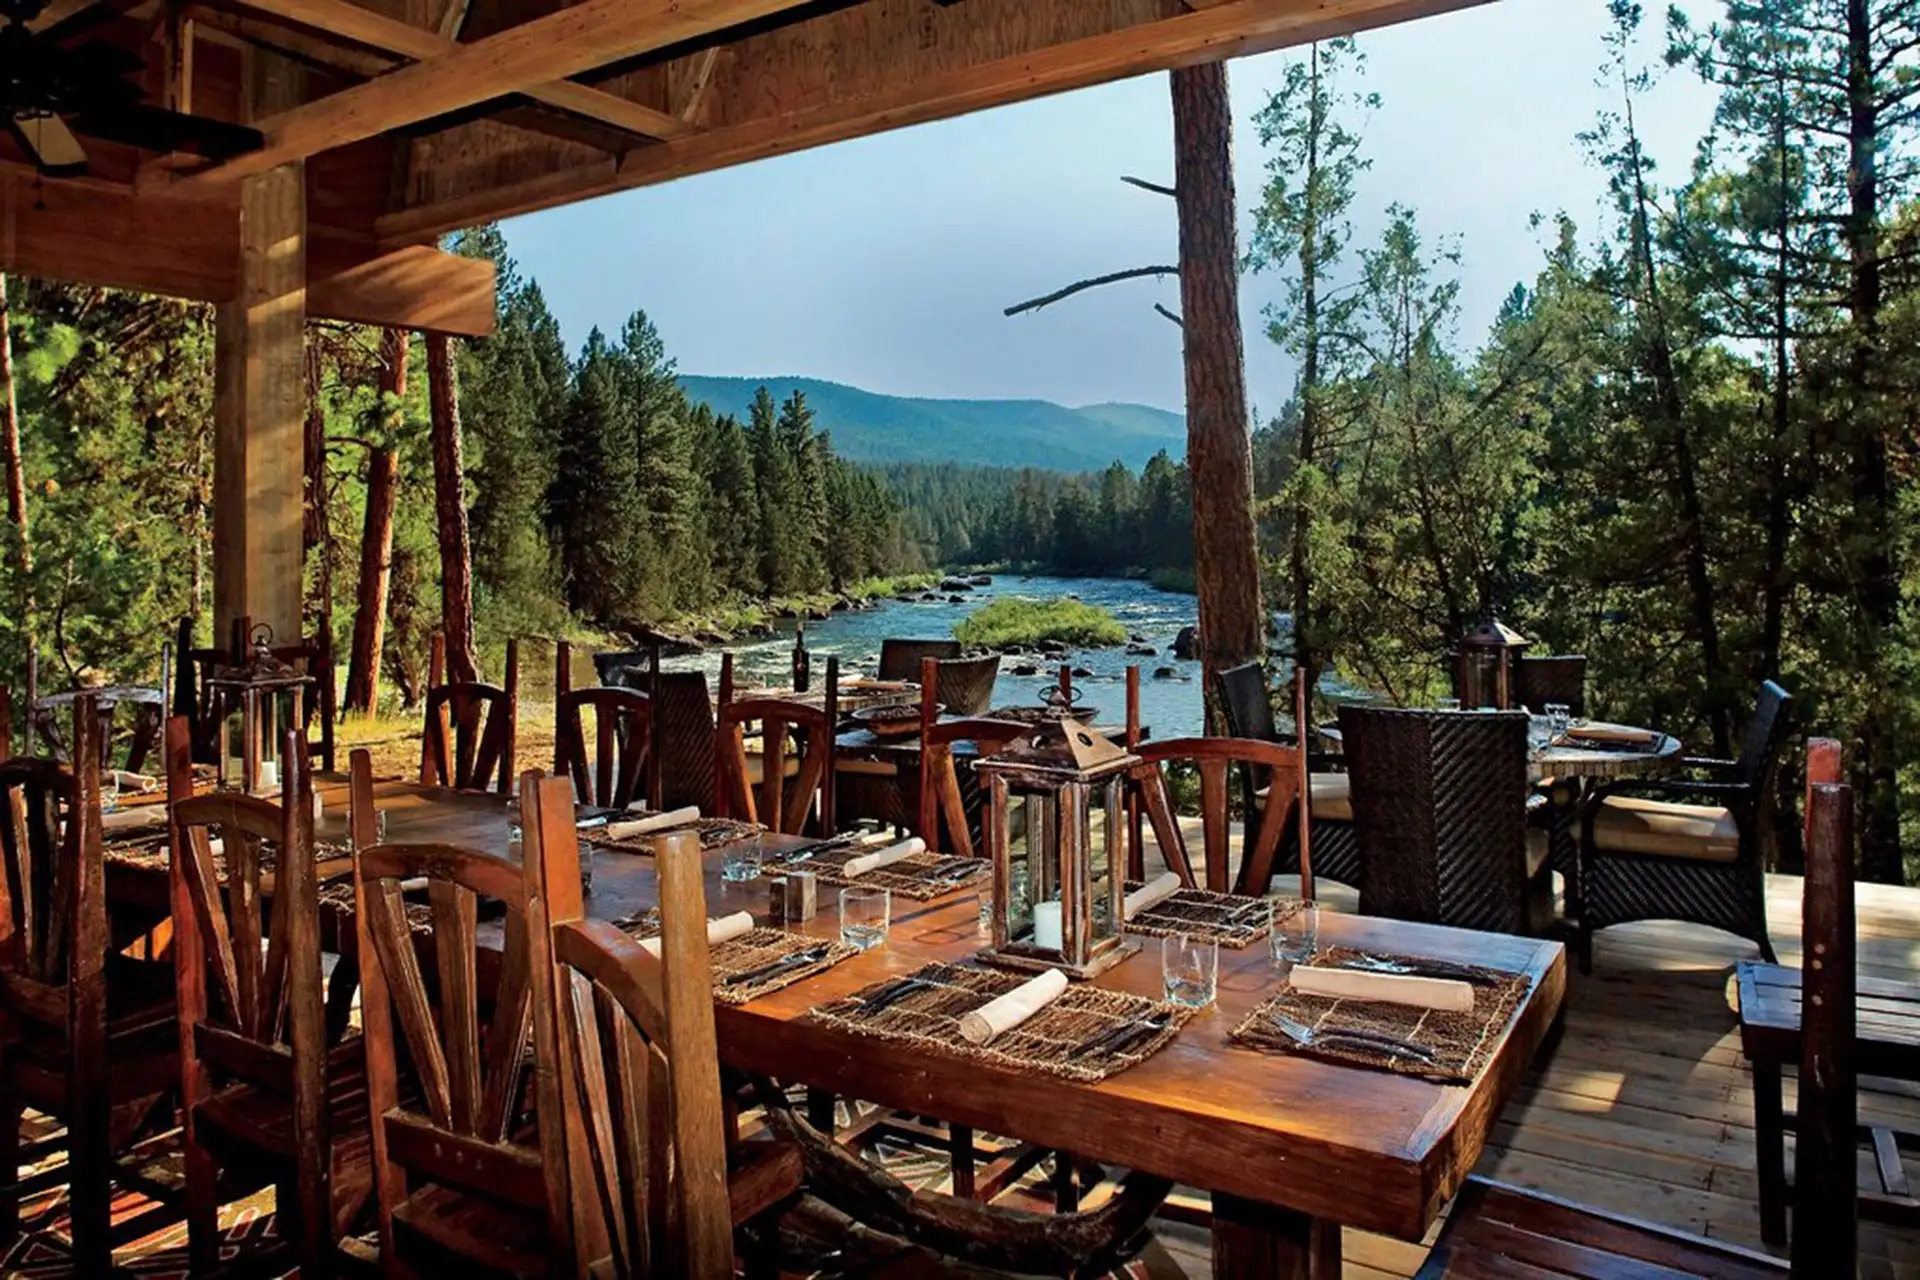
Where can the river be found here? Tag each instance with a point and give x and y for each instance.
(1170, 707)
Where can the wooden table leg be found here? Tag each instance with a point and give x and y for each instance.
(1770, 1153)
(1254, 1241)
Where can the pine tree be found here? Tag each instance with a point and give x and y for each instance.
(600, 523)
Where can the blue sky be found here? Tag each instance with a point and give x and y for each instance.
(885, 262)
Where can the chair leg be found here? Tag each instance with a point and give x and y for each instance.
(1770, 1157)
(11, 1114)
(820, 1110)
(960, 1144)
(90, 1193)
(203, 1210)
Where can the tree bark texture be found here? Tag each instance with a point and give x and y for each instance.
(376, 544)
(450, 510)
(1226, 559)
(16, 476)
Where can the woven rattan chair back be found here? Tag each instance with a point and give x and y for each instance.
(965, 685)
(1246, 702)
(1440, 801)
(1559, 678)
(900, 659)
(1766, 739)
(683, 726)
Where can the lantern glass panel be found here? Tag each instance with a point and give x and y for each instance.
(1026, 829)
(1106, 857)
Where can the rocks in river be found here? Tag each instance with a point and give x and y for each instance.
(1024, 669)
(928, 595)
(1134, 637)
(956, 584)
(981, 580)
(1144, 650)
(840, 606)
(1184, 643)
(1165, 673)
(956, 599)
(1081, 673)
(1051, 647)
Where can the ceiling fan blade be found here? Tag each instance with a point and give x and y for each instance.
(49, 142)
(96, 59)
(157, 129)
(82, 19)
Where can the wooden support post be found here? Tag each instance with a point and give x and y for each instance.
(450, 509)
(260, 385)
(1253, 1241)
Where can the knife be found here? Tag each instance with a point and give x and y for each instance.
(893, 993)
(1122, 1038)
(1306, 1036)
(798, 960)
(1444, 969)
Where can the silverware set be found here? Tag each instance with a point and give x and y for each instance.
(798, 960)
(1128, 1035)
(1445, 969)
(1353, 1038)
(893, 993)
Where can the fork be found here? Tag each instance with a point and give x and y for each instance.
(1308, 1037)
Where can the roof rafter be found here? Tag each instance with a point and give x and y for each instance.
(363, 26)
(562, 44)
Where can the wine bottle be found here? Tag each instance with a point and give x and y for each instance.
(801, 659)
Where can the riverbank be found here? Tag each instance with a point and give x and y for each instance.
(754, 619)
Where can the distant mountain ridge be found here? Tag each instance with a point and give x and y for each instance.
(870, 427)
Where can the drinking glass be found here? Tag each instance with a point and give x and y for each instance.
(515, 832)
(1294, 939)
(864, 913)
(1559, 720)
(741, 861)
(1189, 969)
(109, 791)
(1447, 704)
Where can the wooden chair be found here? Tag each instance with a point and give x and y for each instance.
(264, 1100)
(900, 659)
(940, 791)
(470, 731)
(1440, 802)
(461, 1182)
(1687, 848)
(1247, 703)
(780, 807)
(92, 1035)
(1215, 758)
(625, 766)
(635, 1051)
(1500, 1230)
(1558, 678)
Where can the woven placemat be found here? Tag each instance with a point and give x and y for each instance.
(1044, 1043)
(154, 852)
(920, 876)
(713, 833)
(752, 950)
(337, 896)
(1229, 919)
(1462, 1043)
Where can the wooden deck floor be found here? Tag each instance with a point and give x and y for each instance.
(1645, 1106)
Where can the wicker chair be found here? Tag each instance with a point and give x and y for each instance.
(1687, 848)
(1561, 678)
(900, 659)
(683, 728)
(965, 686)
(1440, 803)
(1248, 704)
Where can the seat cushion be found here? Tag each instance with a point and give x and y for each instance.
(757, 767)
(1329, 797)
(1634, 824)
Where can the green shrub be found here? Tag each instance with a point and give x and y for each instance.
(1010, 620)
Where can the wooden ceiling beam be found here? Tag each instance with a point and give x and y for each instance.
(560, 45)
(350, 21)
(1224, 30)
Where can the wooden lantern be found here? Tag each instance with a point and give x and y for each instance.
(259, 698)
(1486, 658)
(1054, 830)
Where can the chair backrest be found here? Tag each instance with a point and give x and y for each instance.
(1440, 811)
(638, 1059)
(624, 767)
(1215, 758)
(53, 924)
(1766, 736)
(1558, 678)
(1825, 1216)
(964, 686)
(470, 732)
(683, 726)
(778, 806)
(900, 659)
(468, 1063)
(251, 1005)
(1246, 702)
(939, 776)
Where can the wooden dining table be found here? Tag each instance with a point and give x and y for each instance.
(1289, 1148)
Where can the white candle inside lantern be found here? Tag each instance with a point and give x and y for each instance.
(269, 774)
(1046, 925)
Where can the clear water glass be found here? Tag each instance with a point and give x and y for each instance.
(1294, 938)
(586, 868)
(109, 791)
(1190, 969)
(379, 826)
(1447, 704)
(865, 911)
(1559, 720)
(516, 834)
(741, 860)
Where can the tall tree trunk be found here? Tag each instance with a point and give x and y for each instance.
(1866, 428)
(16, 477)
(450, 511)
(1773, 584)
(376, 543)
(315, 532)
(1299, 568)
(1226, 560)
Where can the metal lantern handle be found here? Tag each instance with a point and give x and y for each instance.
(1054, 698)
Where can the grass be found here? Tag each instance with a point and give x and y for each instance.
(1010, 621)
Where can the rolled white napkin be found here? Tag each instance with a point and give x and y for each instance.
(718, 931)
(134, 781)
(883, 858)
(1444, 994)
(653, 822)
(1013, 1008)
(1158, 889)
